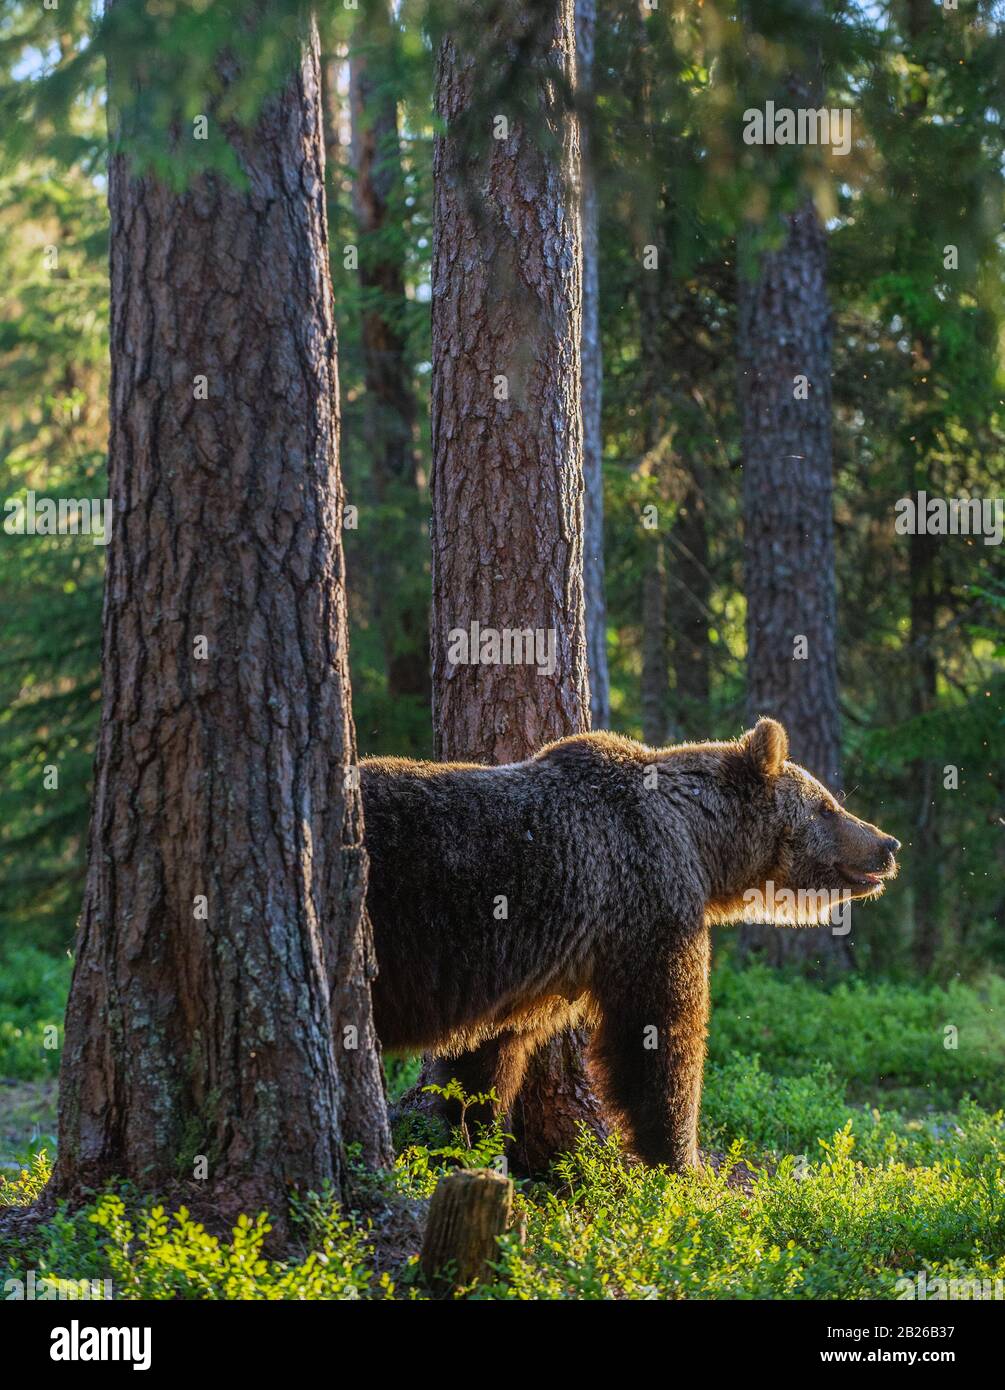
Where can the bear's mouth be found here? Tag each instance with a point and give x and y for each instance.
(860, 878)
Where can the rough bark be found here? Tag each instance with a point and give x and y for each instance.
(788, 549)
(789, 540)
(555, 1099)
(591, 359)
(785, 332)
(390, 405)
(220, 772)
(507, 484)
(507, 473)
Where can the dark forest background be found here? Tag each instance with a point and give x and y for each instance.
(686, 211)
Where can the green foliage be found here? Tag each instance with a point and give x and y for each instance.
(880, 1038)
(33, 989)
(455, 1091)
(835, 1228)
(425, 1153)
(53, 392)
(157, 1256)
(149, 1254)
(29, 1184)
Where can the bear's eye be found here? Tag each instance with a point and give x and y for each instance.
(825, 808)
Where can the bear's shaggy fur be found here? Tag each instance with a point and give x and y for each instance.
(510, 902)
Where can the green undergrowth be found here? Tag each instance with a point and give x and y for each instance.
(853, 1150)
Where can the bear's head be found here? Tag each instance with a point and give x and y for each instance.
(816, 854)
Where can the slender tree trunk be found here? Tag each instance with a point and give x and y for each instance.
(655, 688)
(690, 587)
(926, 842)
(334, 150)
(390, 404)
(507, 479)
(785, 352)
(591, 356)
(219, 1021)
(655, 648)
(652, 279)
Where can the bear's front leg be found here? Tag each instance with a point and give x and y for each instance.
(650, 1049)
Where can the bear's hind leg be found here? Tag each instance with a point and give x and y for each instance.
(496, 1065)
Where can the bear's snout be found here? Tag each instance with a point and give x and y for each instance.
(891, 848)
(886, 861)
(866, 855)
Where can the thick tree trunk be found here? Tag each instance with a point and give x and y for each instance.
(785, 335)
(390, 399)
(591, 357)
(507, 441)
(507, 455)
(223, 953)
(784, 355)
(555, 1100)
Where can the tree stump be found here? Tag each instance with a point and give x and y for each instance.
(468, 1210)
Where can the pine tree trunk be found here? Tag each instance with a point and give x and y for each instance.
(655, 684)
(591, 356)
(652, 293)
(924, 860)
(390, 405)
(788, 551)
(655, 649)
(784, 353)
(690, 587)
(507, 482)
(925, 841)
(223, 955)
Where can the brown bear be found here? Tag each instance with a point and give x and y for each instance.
(578, 887)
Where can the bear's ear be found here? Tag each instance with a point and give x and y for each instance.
(767, 746)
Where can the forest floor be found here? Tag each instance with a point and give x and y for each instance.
(27, 1120)
(853, 1137)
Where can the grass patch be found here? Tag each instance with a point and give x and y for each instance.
(885, 1041)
